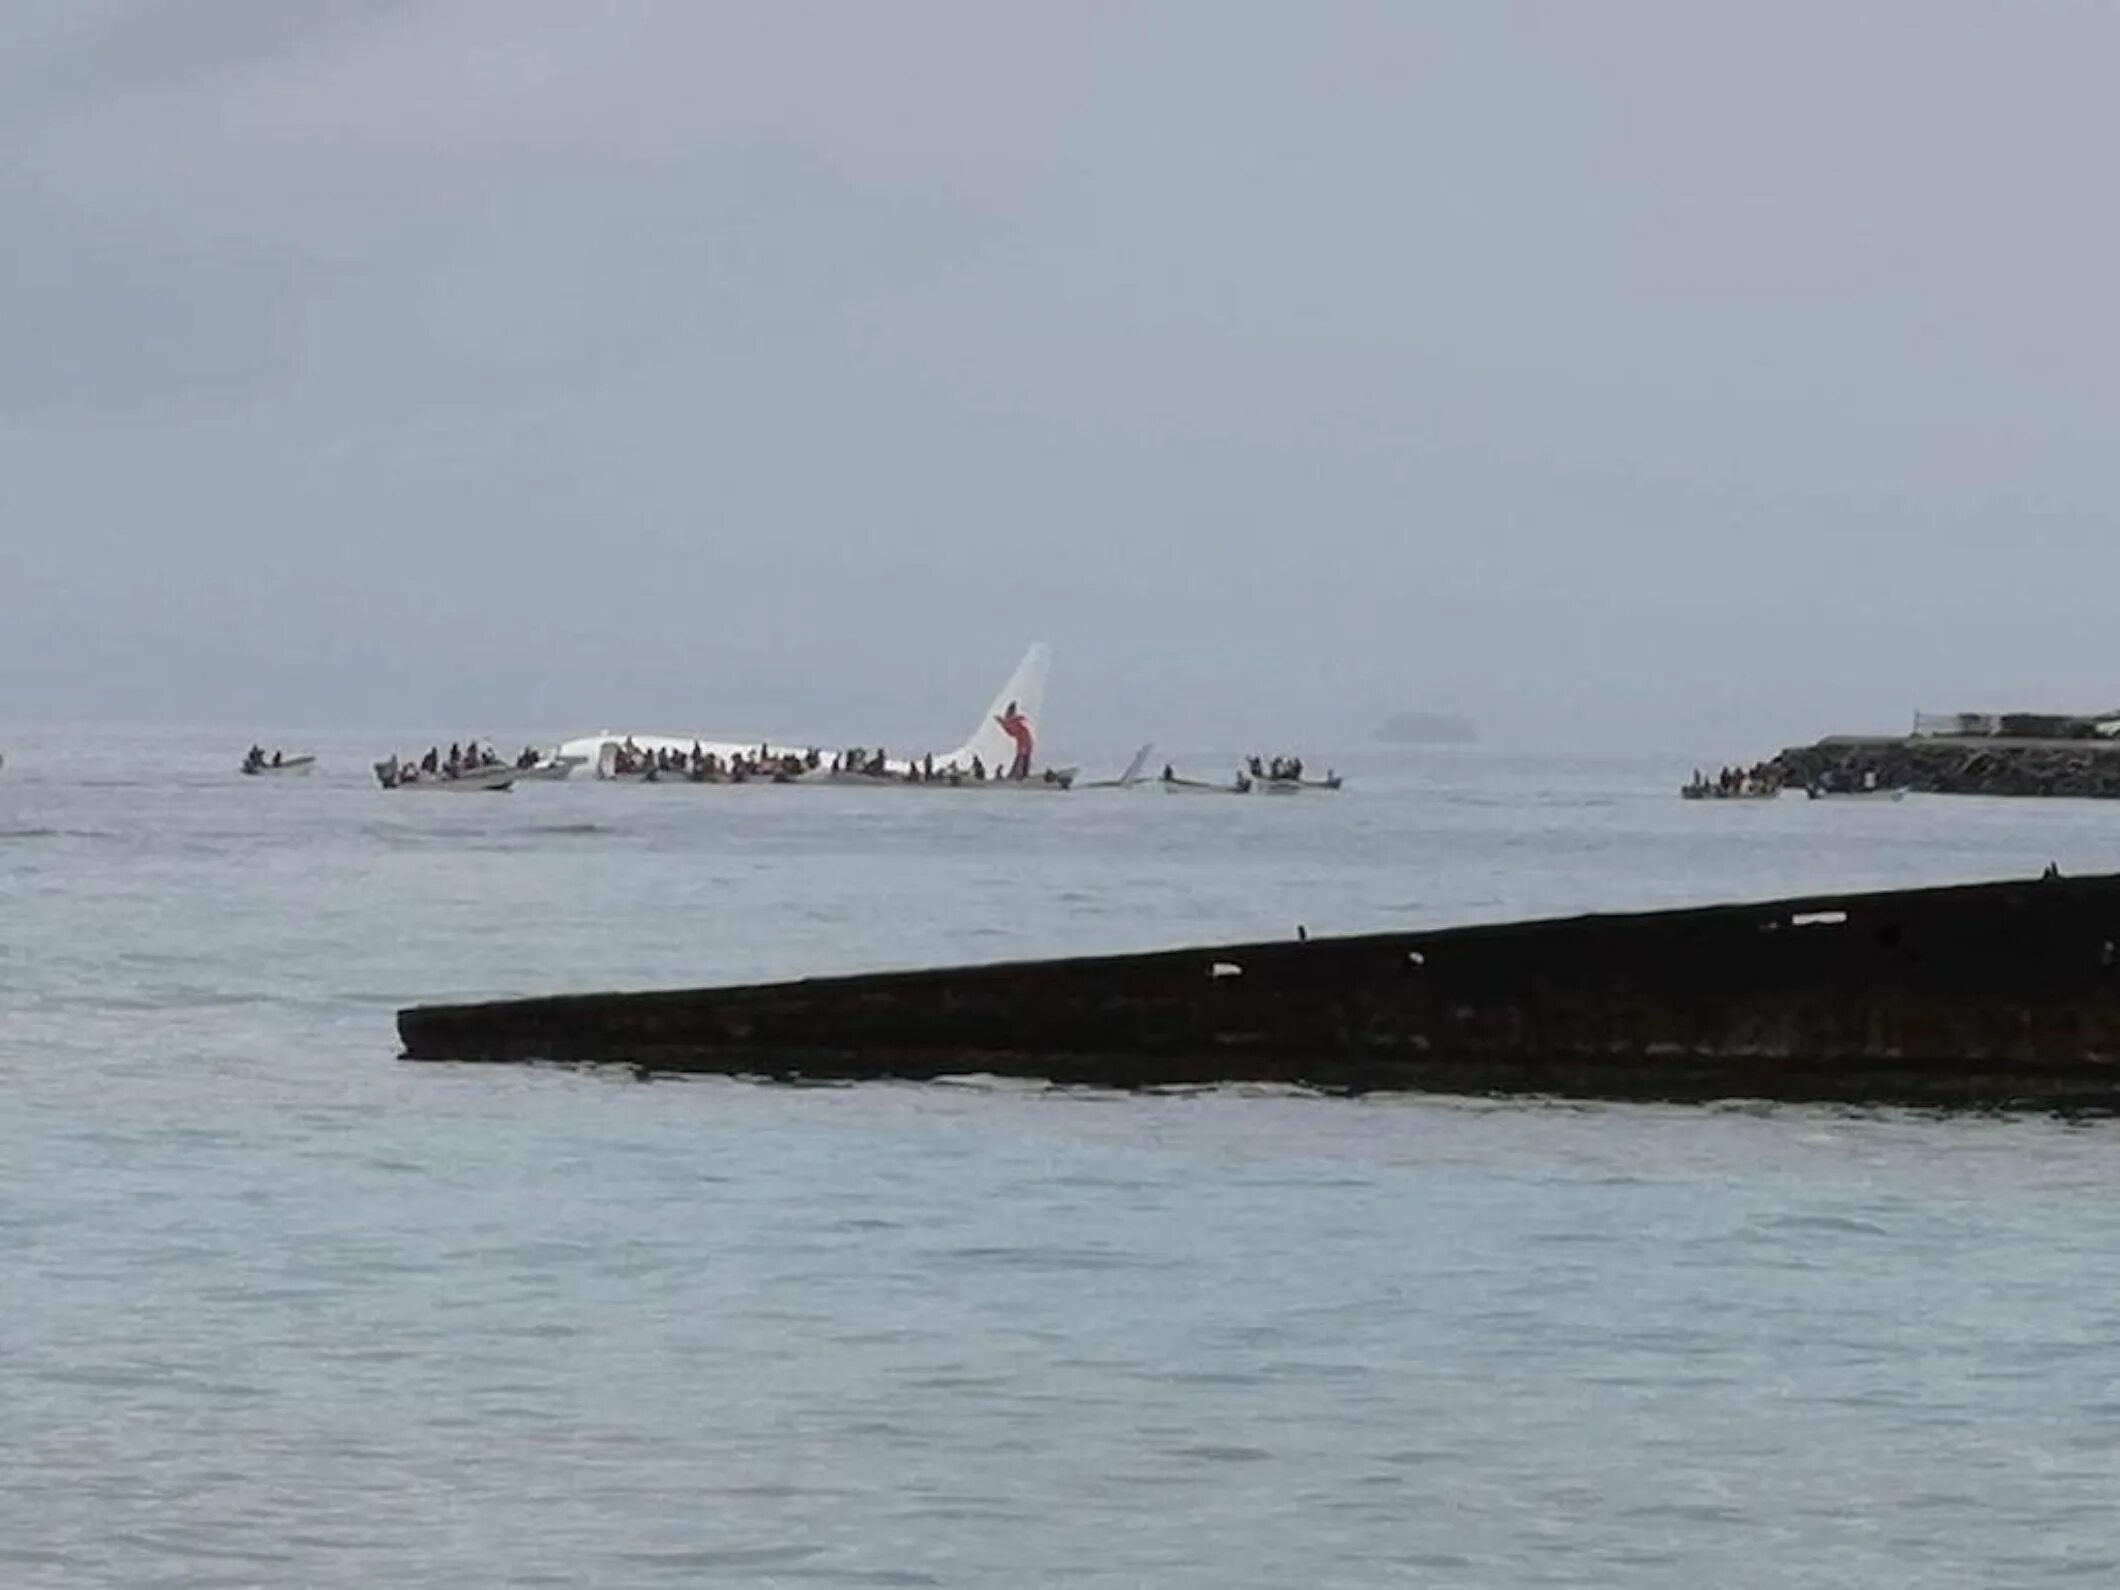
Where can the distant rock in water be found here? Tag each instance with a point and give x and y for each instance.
(1426, 728)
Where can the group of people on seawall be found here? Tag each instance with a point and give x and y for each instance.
(1950, 765)
(1765, 780)
(1758, 782)
(2037, 755)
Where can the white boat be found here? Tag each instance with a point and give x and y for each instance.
(1174, 785)
(546, 770)
(1711, 792)
(610, 766)
(1817, 793)
(293, 766)
(394, 775)
(1003, 746)
(1283, 777)
(1246, 783)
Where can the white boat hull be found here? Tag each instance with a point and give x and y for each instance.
(476, 781)
(1248, 784)
(545, 772)
(290, 767)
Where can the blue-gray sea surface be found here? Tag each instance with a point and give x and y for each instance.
(279, 1309)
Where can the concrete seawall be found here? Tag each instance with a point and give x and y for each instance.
(1988, 995)
(1938, 766)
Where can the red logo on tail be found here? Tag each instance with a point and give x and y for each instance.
(1018, 728)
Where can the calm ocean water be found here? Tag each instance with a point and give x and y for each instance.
(276, 1309)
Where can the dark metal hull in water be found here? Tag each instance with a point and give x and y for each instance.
(2001, 994)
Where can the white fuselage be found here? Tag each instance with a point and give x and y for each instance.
(598, 751)
(991, 744)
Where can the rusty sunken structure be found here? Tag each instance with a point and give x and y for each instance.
(1987, 995)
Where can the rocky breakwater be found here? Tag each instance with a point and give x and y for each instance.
(1942, 765)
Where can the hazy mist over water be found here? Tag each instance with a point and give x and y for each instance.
(1647, 374)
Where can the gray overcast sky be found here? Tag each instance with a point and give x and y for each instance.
(1704, 376)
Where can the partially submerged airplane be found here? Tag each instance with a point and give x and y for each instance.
(1000, 752)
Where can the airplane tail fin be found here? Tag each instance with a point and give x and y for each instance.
(1005, 739)
(1132, 775)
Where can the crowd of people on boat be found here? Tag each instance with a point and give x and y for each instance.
(458, 761)
(1280, 773)
(864, 762)
(702, 766)
(1280, 768)
(1760, 780)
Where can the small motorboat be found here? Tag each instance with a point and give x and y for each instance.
(687, 775)
(1281, 775)
(623, 764)
(546, 769)
(277, 763)
(1744, 792)
(396, 775)
(1174, 785)
(1820, 793)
